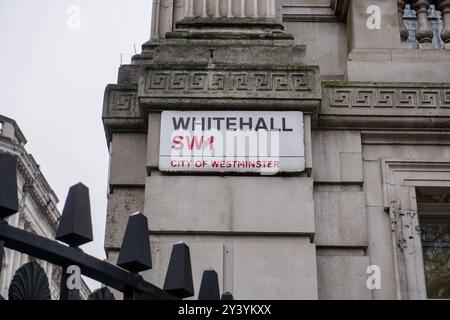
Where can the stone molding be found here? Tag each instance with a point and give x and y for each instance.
(385, 105)
(121, 111)
(387, 96)
(35, 183)
(336, 11)
(229, 82)
(121, 101)
(400, 179)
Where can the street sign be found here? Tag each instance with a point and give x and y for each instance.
(265, 142)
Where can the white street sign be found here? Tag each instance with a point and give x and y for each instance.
(265, 142)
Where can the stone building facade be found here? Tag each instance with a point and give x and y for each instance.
(368, 218)
(38, 212)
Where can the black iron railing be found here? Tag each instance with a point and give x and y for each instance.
(75, 228)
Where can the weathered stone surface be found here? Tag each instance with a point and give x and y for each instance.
(373, 183)
(230, 204)
(206, 252)
(328, 53)
(337, 156)
(128, 159)
(121, 203)
(380, 251)
(249, 267)
(293, 87)
(121, 108)
(360, 36)
(121, 101)
(342, 277)
(340, 218)
(382, 99)
(423, 152)
(280, 268)
(398, 65)
(154, 128)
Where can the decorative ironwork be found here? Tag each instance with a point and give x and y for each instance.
(29, 283)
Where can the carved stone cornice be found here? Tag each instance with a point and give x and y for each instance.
(290, 87)
(121, 108)
(37, 190)
(36, 185)
(385, 105)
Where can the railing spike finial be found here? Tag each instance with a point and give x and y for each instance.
(75, 226)
(135, 255)
(209, 288)
(178, 280)
(227, 295)
(9, 203)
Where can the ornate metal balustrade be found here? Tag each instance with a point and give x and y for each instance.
(425, 23)
(30, 281)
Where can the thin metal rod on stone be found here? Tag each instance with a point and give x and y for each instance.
(209, 288)
(9, 203)
(178, 280)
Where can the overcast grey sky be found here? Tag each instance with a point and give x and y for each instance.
(52, 83)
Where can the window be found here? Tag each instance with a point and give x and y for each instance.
(1, 127)
(433, 204)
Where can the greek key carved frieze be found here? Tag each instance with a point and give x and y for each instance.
(227, 81)
(122, 104)
(389, 98)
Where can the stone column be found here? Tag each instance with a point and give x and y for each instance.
(165, 13)
(230, 9)
(165, 19)
(444, 7)
(404, 34)
(424, 33)
(155, 22)
(178, 11)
